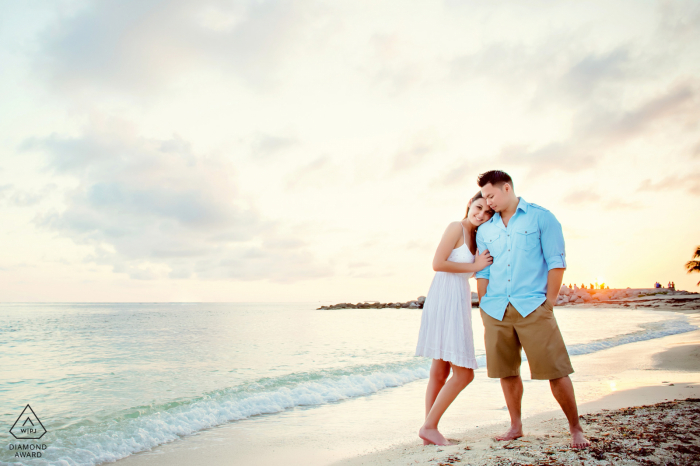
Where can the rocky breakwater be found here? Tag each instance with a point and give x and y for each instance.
(626, 297)
(629, 297)
(416, 304)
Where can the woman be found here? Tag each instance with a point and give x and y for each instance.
(446, 324)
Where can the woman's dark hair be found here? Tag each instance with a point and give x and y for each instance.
(495, 177)
(476, 196)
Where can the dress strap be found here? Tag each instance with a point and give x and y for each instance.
(464, 235)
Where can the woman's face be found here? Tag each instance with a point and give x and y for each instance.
(479, 212)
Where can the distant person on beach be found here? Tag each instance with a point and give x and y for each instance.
(446, 323)
(517, 293)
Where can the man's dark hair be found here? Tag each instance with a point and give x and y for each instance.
(495, 177)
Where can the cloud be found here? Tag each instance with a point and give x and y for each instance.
(386, 46)
(453, 176)
(141, 45)
(154, 208)
(587, 196)
(319, 172)
(26, 198)
(622, 205)
(5, 188)
(267, 145)
(22, 198)
(690, 183)
(392, 65)
(355, 265)
(599, 131)
(565, 156)
(594, 69)
(612, 92)
(677, 105)
(579, 197)
(680, 21)
(414, 152)
(420, 245)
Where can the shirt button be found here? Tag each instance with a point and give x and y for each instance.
(508, 265)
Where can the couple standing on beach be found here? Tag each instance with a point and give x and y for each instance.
(516, 250)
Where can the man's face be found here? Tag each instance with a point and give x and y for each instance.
(496, 196)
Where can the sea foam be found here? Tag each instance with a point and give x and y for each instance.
(144, 427)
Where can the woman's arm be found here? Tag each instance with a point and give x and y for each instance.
(444, 249)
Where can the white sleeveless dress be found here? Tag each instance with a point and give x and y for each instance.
(446, 323)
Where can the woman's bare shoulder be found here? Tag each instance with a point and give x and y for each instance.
(454, 226)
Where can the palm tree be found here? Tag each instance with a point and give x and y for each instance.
(694, 266)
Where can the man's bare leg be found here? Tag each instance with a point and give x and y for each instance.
(439, 372)
(513, 392)
(563, 391)
(461, 377)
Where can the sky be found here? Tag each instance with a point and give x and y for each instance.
(316, 151)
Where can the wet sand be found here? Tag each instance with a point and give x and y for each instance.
(672, 373)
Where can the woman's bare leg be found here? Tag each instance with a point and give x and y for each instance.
(439, 372)
(461, 377)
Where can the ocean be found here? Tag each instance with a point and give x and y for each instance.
(109, 380)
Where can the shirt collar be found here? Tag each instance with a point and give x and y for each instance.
(523, 205)
(496, 218)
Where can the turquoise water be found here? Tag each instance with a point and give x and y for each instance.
(109, 380)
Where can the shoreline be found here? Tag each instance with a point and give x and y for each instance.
(251, 442)
(622, 419)
(546, 439)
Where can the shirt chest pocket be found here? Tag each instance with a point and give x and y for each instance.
(527, 238)
(494, 244)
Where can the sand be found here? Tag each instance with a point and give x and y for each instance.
(664, 431)
(546, 435)
(616, 425)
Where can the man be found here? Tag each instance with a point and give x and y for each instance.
(517, 293)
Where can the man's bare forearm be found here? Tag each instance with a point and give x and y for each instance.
(554, 279)
(481, 285)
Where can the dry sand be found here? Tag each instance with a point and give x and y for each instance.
(663, 431)
(620, 436)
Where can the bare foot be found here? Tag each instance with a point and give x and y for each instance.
(432, 436)
(512, 433)
(578, 440)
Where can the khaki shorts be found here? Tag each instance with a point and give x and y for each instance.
(538, 334)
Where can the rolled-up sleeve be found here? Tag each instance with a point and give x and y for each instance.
(552, 238)
(481, 247)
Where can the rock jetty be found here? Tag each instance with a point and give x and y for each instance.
(643, 297)
(416, 304)
(587, 295)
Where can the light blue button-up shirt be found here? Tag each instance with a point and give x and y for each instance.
(523, 253)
